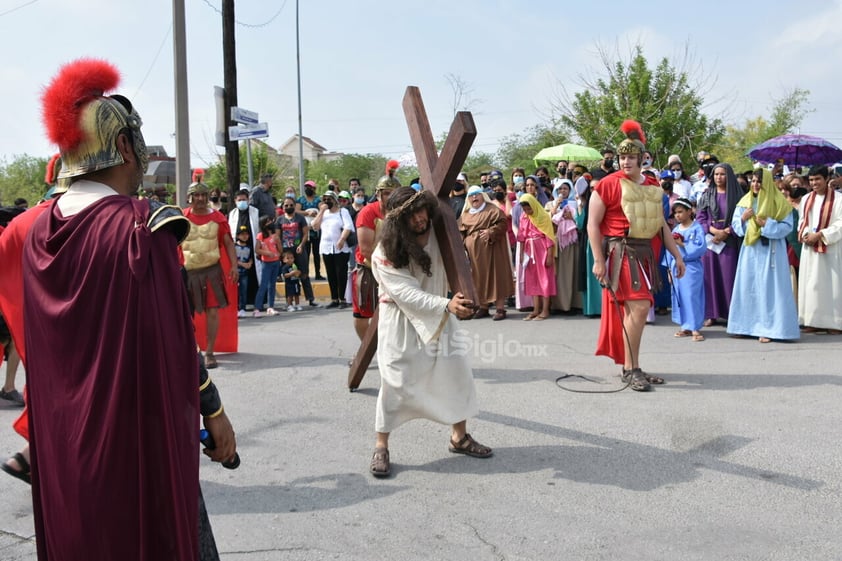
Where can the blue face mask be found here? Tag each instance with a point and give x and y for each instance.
(359, 200)
(242, 205)
(518, 179)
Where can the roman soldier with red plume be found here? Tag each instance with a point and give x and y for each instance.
(625, 228)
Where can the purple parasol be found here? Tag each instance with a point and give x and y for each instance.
(796, 150)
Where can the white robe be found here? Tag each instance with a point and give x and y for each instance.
(422, 352)
(820, 274)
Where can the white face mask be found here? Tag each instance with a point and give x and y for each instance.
(242, 205)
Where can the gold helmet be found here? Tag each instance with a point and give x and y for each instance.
(389, 181)
(198, 186)
(635, 142)
(84, 123)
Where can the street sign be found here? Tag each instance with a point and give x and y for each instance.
(244, 132)
(244, 116)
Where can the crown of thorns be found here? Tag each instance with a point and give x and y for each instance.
(407, 205)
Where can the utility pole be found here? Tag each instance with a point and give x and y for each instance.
(182, 122)
(229, 64)
(300, 128)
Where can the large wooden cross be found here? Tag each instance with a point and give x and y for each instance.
(438, 175)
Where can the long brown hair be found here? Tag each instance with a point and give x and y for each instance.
(399, 242)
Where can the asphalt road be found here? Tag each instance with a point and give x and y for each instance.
(737, 457)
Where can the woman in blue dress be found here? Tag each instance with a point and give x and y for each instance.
(762, 304)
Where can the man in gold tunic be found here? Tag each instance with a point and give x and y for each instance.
(209, 256)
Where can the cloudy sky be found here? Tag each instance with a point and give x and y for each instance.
(357, 57)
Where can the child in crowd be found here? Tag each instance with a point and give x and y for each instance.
(688, 292)
(292, 283)
(268, 248)
(245, 261)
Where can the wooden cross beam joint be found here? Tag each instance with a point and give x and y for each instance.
(438, 175)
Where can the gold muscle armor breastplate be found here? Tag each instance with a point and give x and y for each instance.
(201, 248)
(644, 208)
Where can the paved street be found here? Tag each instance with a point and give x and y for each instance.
(737, 457)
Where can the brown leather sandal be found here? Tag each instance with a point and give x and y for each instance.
(470, 447)
(636, 380)
(210, 361)
(380, 465)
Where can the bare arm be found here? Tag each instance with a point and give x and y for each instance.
(365, 241)
(669, 242)
(228, 243)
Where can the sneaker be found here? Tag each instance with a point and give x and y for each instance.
(343, 304)
(299, 309)
(333, 304)
(270, 311)
(290, 308)
(241, 314)
(313, 303)
(258, 314)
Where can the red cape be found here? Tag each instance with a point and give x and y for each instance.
(227, 338)
(11, 289)
(114, 412)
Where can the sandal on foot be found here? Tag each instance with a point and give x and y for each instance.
(530, 317)
(481, 313)
(649, 377)
(22, 473)
(210, 361)
(470, 447)
(698, 337)
(500, 314)
(636, 380)
(684, 333)
(380, 465)
(764, 339)
(709, 322)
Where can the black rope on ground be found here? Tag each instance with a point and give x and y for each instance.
(628, 341)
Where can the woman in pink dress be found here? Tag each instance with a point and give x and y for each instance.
(537, 262)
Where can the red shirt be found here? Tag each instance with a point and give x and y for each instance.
(366, 219)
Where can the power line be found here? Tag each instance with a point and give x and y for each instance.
(18, 8)
(154, 60)
(250, 25)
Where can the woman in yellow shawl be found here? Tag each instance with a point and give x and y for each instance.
(762, 304)
(537, 262)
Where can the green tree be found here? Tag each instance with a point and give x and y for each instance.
(518, 150)
(261, 162)
(22, 177)
(787, 114)
(664, 100)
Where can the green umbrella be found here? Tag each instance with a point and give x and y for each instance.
(569, 152)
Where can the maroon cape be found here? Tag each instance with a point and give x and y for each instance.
(111, 371)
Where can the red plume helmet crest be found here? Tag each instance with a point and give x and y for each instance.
(50, 176)
(633, 130)
(391, 167)
(198, 175)
(65, 97)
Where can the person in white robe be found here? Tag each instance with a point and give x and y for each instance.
(820, 271)
(422, 353)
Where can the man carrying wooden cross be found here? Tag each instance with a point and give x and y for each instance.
(424, 367)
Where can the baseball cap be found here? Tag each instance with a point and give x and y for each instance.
(667, 174)
(344, 195)
(461, 177)
(310, 183)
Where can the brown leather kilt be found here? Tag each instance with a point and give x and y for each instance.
(206, 287)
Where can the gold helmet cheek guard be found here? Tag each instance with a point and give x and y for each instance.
(102, 120)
